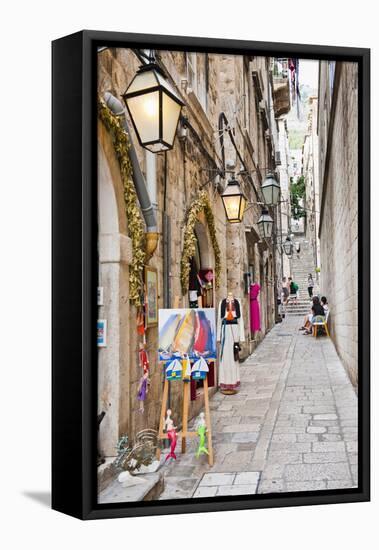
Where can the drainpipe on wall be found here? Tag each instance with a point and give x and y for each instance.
(147, 208)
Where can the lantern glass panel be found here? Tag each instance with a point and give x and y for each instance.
(171, 112)
(144, 109)
(242, 207)
(271, 190)
(232, 205)
(167, 86)
(265, 225)
(268, 229)
(142, 82)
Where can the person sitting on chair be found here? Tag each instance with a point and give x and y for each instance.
(316, 310)
(324, 304)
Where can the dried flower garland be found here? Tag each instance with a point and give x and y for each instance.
(136, 226)
(189, 247)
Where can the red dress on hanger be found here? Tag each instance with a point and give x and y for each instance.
(255, 315)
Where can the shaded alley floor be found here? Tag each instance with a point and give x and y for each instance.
(291, 427)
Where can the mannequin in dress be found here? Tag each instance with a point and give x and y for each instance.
(230, 332)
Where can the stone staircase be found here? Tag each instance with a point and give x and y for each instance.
(301, 265)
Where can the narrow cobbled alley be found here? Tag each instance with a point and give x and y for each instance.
(291, 427)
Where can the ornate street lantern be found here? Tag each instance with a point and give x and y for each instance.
(234, 201)
(288, 246)
(265, 225)
(154, 108)
(271, 190)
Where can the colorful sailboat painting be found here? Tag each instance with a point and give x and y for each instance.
(187, 331)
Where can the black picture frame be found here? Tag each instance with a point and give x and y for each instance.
(74, 272)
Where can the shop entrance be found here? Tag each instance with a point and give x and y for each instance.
(201, 289)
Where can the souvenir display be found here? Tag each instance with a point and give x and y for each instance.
(171, 434)
(230, 332)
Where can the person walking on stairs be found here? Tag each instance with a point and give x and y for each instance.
(311, 284)
(294, 288)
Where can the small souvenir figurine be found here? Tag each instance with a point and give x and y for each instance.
(200, 369)
(171, 434)
(143, 358)
(186, 366)
(174, 370)
(201, 431)
(142, 391)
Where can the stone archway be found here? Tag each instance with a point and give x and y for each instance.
(113, 377)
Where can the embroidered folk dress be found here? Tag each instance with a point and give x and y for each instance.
(255, 316)
(229, 333)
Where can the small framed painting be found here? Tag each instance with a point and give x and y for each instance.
(101, 333)
(151, 286)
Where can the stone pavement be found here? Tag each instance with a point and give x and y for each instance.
(291, 427)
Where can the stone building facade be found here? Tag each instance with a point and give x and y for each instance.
(210, 84)
(338, 156)
(310, 170)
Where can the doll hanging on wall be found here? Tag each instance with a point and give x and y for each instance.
(143, 358)
(142, 391)
(171, 434)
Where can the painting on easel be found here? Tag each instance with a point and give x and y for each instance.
(187, 331)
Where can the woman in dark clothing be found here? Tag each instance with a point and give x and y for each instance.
(316, 310)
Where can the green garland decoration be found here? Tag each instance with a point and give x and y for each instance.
(189, 247)
(136, 226)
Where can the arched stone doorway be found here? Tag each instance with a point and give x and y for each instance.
(113, 376)
(202, 275)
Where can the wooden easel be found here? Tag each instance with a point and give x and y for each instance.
(184, 433)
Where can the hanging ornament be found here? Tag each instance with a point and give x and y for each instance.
(174, 370)
(142, 391)
(143, 358)
(200, 369)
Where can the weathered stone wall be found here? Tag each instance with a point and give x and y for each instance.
(181, 173)
(338, 134)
